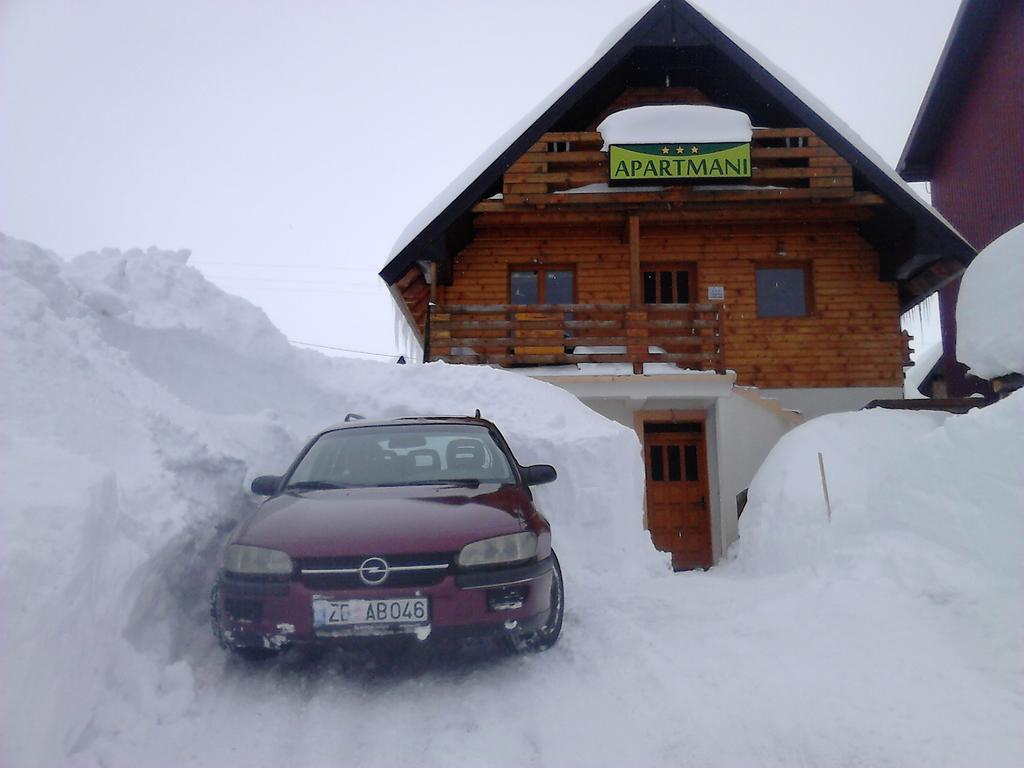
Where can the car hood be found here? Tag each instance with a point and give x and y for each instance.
(400, 520)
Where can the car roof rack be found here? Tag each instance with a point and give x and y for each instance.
(355, 417)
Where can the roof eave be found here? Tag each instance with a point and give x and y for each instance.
(401, 262)
(970, 28)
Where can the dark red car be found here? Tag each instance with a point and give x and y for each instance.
(420, 527)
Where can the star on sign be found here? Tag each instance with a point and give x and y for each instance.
(679, 150)
(694, 149)
(664, 150)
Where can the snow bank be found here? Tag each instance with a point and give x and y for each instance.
(990, 309)
(137, 400)
(952, 481)
(674, 122)
(785, 524)
(923, 559)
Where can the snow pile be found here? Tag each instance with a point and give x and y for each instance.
(954, 481)
(137, 401)
(674, 122)
(990, 309)
(920, 570)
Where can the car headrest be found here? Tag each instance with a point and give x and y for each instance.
(425, 458)
(465, 453)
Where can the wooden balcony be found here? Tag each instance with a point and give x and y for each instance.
(687, 335)
(568, 170)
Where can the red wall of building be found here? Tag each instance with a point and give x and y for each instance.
(978, 171)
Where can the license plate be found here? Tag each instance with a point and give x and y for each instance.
(412, 611)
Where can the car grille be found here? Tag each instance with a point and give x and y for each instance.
(417, 570)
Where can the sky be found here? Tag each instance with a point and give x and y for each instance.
(288, 144)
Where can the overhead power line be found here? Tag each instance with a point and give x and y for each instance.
(343, 349)
(269, 265)
(296, 289)
(262, 279)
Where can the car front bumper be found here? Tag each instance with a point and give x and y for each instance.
(268, 614)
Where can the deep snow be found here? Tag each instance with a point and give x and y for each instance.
(136, 400)
(990, 308)
(683, 122)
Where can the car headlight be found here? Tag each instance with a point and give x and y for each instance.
(501, 549)
(257, 561)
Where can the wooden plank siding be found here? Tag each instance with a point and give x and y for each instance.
(787, 164)
(851, 337)
(800, 206)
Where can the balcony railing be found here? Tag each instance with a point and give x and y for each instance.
(687, 335)
(568, 170)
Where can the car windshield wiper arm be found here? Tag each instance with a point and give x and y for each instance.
(470, 481)
(314, 485)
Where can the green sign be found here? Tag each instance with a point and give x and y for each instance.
(654, 162)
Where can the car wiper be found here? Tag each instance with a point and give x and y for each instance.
(470, 482)
(314, 485)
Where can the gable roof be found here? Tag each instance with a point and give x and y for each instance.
(966, 41)
(673, 35)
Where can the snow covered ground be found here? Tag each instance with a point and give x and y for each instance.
(136, 400)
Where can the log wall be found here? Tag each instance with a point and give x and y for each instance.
(850, 338)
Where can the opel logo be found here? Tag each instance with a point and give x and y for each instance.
(373, 571)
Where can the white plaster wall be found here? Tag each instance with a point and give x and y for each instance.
(742, 425)
(819, 401)
(623, 410)
(747, 430)
(740, 431)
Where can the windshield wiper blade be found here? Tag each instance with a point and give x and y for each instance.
(472, 482)
(314, 485)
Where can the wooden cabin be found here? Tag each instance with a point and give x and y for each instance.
(708, 311)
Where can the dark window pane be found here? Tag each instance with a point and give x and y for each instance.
(650, 287)
(690, 454)
(524, 287)
(657, 464)
(683, 287)
(558, 287)
(781, 292)
(673, 463)
(666, 287)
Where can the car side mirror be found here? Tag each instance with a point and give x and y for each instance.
(539, 474)
(266, 485)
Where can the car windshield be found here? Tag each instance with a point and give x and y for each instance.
(421, 454)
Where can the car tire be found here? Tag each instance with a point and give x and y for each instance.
(534, 641)
(248, 653)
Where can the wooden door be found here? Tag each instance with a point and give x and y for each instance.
(678, 512)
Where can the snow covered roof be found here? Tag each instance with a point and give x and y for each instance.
(990, 309)
(746, 79)
(661, 122)
(967, 39)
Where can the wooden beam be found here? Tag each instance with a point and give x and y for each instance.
(494, 214)
(409, 278)
(635, 288)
